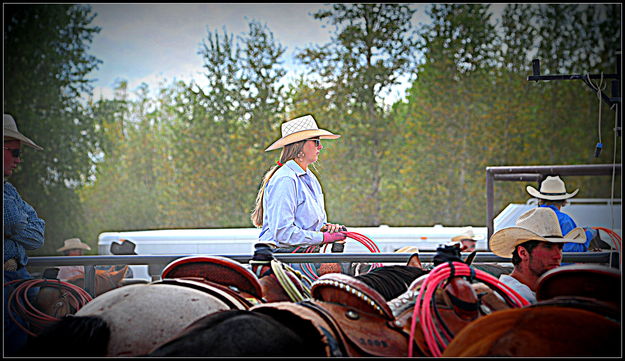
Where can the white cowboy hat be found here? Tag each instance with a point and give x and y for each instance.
(541, 224)
(10, 131)
(299, 129)
(551, 188)
(73, 243)
(468, 234)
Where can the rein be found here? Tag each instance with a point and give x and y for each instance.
(18, 301)
(425, 307)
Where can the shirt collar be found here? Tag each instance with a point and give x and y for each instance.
(295, 167)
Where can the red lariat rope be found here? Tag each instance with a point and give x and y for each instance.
(18, 302)
(616, 239)
(364, 240)
(423, 306)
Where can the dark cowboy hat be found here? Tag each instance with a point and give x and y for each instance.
(126, 247)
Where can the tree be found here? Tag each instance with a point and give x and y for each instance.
(223, 129)
(371, 49)
(46, 67)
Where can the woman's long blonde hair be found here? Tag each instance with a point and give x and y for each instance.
(289, 151)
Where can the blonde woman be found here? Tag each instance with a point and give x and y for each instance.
(290, 208)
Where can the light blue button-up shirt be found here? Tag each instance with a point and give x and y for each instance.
(293, 208)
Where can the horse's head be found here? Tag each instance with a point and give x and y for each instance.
(105, 280)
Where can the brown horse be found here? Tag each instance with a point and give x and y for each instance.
(105, 280)
(577, 315)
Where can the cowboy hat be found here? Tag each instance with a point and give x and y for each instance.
(73, 243)
(126, 247)
(299, 129)
(10, 131)
(468, 234)
(540, 224)
(552, 188)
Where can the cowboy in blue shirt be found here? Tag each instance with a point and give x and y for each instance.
(23, 230)
(553, 195)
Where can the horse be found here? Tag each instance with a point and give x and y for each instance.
(105, 280)
(350, 317)
(577, 315)
(135, 318)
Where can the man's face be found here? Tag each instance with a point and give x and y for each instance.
(468, 245)
(74, 252)
(544, 257)
(10, 161)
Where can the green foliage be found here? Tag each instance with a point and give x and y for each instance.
(46, 65)
(370, 50)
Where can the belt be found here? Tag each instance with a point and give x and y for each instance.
(11, 265)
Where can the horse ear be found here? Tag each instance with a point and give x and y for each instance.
(121, 273)
(414, 261)
(111, 269)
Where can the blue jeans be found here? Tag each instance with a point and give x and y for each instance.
(14, 337)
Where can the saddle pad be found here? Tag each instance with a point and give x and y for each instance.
(349, 291)
(591, 281)
(224, 294)
(221, 270)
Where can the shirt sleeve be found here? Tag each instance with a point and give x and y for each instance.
(281, 204)
(22, 225)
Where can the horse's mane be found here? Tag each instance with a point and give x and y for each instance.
(391, 281)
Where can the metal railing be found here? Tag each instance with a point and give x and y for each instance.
(156, 263)
(536, 173)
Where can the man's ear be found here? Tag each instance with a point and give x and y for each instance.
(523, 253)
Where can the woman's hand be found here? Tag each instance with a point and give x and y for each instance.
(333, 228)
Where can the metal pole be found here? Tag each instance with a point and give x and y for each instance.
(90, 279)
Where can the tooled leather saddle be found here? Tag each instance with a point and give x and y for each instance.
(353, 319)
(219, 276)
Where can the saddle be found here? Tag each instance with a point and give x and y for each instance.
(234, 300)
(590, 287)
(352, 318)
(220, 272)
(457, 303)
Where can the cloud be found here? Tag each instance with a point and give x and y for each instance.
(141, 41)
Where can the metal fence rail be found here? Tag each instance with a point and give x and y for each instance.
(156, 263)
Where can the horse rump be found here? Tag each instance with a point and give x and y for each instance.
(71, 336)
(243, 333)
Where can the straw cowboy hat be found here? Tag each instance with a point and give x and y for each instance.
(299, 129)
(10, 131)
(541, 224)
(552, 188)
(73, 243)
(468, 234)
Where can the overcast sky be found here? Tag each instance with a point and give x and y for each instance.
(156, 43)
